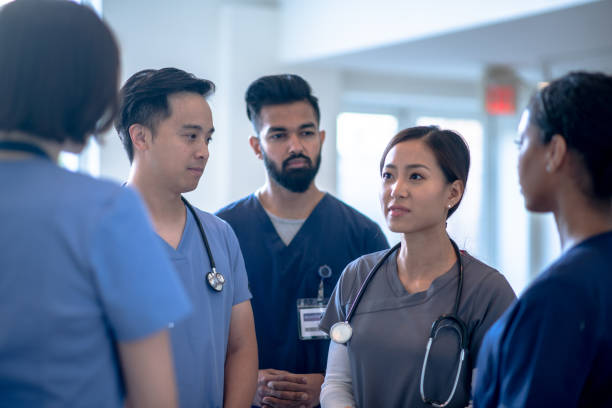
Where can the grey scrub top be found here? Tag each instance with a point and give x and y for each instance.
(391, 328)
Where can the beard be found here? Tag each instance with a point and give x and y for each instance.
(295, 180)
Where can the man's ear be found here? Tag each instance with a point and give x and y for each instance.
(322, 136)
(556, 153)
(256, 146)
(140, 136)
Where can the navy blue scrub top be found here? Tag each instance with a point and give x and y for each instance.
(334, 234)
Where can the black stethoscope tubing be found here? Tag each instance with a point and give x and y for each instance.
(215, 279)
(384, 259)
(202, 233)
(458, 325)
(367, 280)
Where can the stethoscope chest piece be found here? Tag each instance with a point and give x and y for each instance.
(215, 280)
(341, 332)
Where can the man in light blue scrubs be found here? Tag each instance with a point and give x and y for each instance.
(296, 240)
(165, 125)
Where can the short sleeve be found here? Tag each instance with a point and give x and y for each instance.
(138, 287)
(241, 285)
(336, 308)
(496, 295)
(522, 361)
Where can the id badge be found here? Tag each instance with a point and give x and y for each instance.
(310, 311)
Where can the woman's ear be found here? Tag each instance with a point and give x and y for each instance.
(556, 153)
(455, 192)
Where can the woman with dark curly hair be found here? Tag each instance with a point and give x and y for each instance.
(553, 348)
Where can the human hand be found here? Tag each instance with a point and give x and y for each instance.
(280, 389)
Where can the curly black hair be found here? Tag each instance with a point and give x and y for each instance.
(578, 107)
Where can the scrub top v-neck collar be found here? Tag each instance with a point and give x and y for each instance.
(179, 252)
(391, 272)
(271, 235)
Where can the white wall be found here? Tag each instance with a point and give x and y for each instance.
(311, 28)
(231, 44)
(157, 34)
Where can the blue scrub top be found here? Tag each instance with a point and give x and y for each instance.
(80, 270)
(199, 343)
(553, 347)
(334, 234)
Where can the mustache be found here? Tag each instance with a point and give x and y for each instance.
(297, 156)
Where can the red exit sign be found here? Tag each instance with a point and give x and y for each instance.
(500, 99)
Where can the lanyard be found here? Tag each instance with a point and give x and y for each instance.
(23, 147)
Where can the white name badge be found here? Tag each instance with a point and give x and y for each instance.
(310, 311)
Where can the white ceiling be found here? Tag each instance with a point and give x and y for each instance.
(539, 47)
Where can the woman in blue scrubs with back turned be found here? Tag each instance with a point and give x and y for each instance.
(86, 292)
(553, 347)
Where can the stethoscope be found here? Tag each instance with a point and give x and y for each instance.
(215, 279)
(341, 332)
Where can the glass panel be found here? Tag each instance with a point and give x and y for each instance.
(88, 161)
(464, 224)
(69, 161)
(361, 139)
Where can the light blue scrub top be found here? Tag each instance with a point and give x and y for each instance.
(80, 269)
(199, 343)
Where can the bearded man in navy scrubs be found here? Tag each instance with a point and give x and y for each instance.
(296, 240)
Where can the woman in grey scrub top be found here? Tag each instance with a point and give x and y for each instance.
(382, 362)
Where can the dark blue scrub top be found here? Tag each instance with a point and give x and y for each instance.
(553, 347)
(334, 234)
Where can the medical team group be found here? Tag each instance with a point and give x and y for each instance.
(127, 295)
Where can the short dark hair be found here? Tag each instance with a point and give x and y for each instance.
(144, 99)
(449, 148)
(278, 90)
(59, 70)
(578, 107)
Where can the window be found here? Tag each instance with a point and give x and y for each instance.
(361, 139)
(464, 226)
(89, 159)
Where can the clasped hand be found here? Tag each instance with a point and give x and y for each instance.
(280, 389)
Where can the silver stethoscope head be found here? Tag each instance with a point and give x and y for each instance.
(341, 332)
(215, 280)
